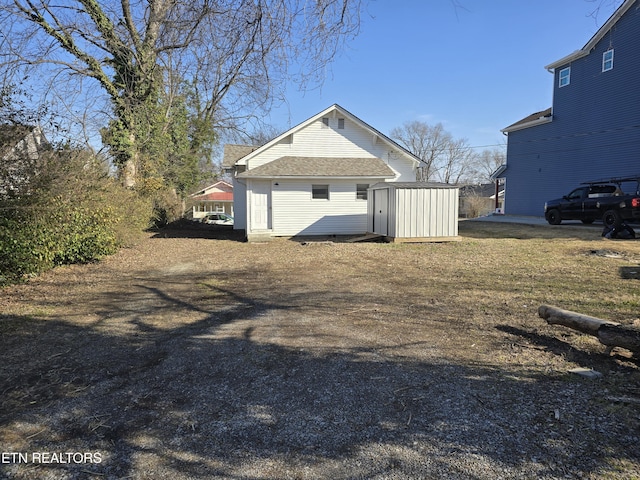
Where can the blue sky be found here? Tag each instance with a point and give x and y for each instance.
(475, 68)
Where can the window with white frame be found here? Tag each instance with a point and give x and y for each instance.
(320, 192)
(607, 60)
(564, 77)
(361, 191)
(341, 123)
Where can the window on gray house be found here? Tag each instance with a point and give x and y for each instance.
(320, 192)
(564, 77)
(607, 60)
(341, 123)
(361, 191)
(325, 122)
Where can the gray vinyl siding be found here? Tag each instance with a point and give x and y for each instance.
(595, 131)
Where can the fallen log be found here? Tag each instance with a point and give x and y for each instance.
(577, 321)
(620, 336)
(611, 334)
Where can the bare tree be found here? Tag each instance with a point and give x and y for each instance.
(234, 55)
(426, 142)
(487, 162)
(443, 158)
(457, 160)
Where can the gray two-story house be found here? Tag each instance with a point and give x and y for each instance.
(592, 130)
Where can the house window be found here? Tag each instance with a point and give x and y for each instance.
(607, 60)
(341, 123)
(325, 122)
(361, 191)
(564, 77)
(320, 192)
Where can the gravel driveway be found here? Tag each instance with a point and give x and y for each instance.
(213, 358)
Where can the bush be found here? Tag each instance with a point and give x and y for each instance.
(73, 212)
(24, 248)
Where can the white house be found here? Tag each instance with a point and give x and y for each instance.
(214, 198)
(313, 179)
(21, 147)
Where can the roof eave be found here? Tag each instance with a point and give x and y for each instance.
(315, 177)
(566, 60)
(499, 171)
(533, 123)
(602, 31)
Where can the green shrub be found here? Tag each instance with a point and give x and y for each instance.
(73, 213)
(24, 248)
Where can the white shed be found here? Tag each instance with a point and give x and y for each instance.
(413, 211)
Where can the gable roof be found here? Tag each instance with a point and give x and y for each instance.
(602, 31)
(321, 167)
(215, 197)
(12, 135)
(337, 108)
(225, 195)
(219, 184)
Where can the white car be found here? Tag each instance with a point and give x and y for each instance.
(217, 219)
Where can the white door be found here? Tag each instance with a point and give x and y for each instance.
(260, 200)
(380, 211)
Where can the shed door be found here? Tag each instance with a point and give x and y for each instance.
(260, 198)
(381, 211)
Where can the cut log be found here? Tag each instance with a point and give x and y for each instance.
(608, 333)
(577, 321)
(620, 336)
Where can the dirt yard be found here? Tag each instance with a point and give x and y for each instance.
(193, 357)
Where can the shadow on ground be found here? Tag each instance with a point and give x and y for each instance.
(207, 399)
(191, 229)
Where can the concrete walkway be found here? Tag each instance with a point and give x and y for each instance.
(510, 219)
(530, 220)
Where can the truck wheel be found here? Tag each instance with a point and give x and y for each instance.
(611, 218)
(554, 217)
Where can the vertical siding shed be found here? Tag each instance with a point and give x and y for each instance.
(413, 211)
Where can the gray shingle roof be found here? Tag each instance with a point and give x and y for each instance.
(233, 153)
(321, 167)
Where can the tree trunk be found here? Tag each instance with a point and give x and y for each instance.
(129, 173)
(608, 333)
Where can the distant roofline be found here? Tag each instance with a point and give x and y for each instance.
(538, 118)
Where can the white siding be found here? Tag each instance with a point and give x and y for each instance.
(317, 140)
(239, 205)
(296, 213)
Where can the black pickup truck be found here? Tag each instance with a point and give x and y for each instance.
(613, 200)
